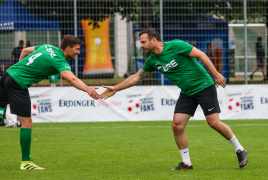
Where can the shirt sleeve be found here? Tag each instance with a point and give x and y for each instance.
(182, 47)
(62, 65)
(36, 47)
(147, 66)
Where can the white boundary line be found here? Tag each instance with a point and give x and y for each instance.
(75, 128)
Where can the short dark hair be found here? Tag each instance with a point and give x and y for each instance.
(152, 33)
(69, 40)
(21, 42)
(259, 38)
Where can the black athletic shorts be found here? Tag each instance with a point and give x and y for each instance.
(260, 62)
(207, 98)
(18, 98)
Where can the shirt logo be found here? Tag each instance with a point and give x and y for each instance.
(205, 83)
(52, 54)
(170, 65)
(67, 67)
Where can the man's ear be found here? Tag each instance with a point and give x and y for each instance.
(68, 48)
(154, 39)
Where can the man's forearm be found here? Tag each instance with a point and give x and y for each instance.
(26, 51)
(23, 55)
(207, 62)
(78, 84)
(11, 59)
(131, 81)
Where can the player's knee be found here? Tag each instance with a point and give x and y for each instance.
(26, 125)
(213, 124)
(177, 126)
(26, 122)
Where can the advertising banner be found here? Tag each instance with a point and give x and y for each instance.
(141, 103)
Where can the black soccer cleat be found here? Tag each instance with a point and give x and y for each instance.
(182, 166)
(242, 158)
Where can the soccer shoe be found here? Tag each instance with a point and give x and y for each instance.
(182, 166)
(29, 165)
(242, 158)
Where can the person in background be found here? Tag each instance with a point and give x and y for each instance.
(16, 53)
(217, 46)
(28, 44)
(260, 58)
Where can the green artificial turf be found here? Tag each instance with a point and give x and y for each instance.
(134, 150)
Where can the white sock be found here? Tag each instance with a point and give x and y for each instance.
(185, 156)
(235, 143)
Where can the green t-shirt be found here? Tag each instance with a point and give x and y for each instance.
(182, 70)
(46, 60)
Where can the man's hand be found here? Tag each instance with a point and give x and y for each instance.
(220, 80)
(93, 93)
(110, 91)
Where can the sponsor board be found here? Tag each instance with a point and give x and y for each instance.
(41, 103)
(240, 101)
(140, 103)
(66, 104)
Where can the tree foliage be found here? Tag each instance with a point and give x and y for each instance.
(222, 9)
(95, 10)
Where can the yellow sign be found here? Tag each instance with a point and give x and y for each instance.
(98, 57)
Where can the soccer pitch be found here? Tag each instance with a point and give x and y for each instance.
(134, 150)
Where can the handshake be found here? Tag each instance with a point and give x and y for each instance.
(110, 91)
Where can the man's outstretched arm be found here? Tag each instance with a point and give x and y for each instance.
(26, 51)
(78, 84)
(219, 79)
(130, 81)
(11, 58)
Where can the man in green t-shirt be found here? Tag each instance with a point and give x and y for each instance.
(35, 64)
(176, 60)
